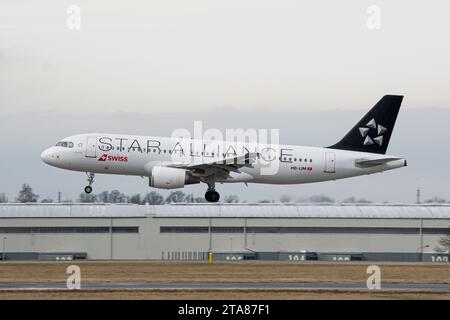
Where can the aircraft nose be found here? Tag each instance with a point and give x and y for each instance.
(47, 156)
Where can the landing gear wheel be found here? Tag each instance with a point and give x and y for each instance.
(212, 196)
(90, 179)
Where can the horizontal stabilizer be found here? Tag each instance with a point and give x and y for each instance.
(364, 163)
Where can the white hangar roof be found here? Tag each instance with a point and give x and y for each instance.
(266, 210)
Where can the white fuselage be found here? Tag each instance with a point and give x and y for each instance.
(276, 164)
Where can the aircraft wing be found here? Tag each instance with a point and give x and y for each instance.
(221, 167)
(364, 163)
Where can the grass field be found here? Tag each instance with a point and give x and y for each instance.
(131, 271)
(221, 272)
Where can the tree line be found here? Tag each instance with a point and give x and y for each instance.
(27, 195)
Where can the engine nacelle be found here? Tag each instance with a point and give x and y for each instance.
(171, 178)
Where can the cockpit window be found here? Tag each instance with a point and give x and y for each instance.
(64, 144)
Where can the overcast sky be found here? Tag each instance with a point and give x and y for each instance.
(148, 67)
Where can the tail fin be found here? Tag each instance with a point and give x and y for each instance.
(373, 132)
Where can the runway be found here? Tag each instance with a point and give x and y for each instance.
(229, 286)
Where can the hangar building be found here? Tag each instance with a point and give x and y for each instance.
(295, 232)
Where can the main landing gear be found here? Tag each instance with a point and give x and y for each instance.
(211, 195)
(88, 188)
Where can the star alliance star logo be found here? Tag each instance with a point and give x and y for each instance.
(365, 133)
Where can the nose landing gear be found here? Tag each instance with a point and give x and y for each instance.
(88, 188)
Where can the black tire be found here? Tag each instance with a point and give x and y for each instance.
(212, 196)
(88, 189)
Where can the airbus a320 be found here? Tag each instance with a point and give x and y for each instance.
(171, 163)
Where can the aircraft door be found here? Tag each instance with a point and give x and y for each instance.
(330, 162)
(91, 147)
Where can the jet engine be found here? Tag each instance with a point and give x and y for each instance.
(171, 178)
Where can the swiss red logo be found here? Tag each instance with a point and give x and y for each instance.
(106, 157)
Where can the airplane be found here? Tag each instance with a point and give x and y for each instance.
(171, 163)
